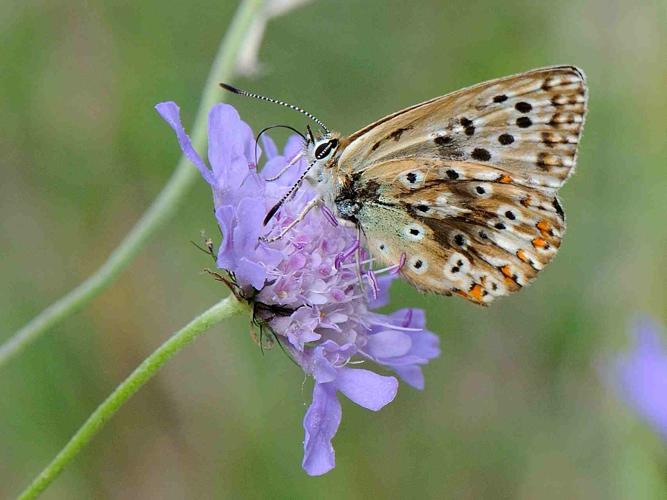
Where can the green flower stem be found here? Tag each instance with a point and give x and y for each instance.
(142, 374)
(162, 208)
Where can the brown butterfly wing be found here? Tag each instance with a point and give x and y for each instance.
(476, 174)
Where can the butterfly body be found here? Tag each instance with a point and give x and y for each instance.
(461, 189)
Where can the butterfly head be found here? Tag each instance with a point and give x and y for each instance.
(323, 149)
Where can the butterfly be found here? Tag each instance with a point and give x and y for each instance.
(460, 191)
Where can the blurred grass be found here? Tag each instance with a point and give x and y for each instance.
(514, 408)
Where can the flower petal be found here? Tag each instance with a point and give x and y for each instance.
(269, 147)
(171, 113)
(425, 345)
(250, 215)
(411, 375)
(320, 424)
(228, 136)
(251, 273)
(366, 388)
(640, 376)
(388, 344)
(382, 297)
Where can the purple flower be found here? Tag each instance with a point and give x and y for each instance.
(640, 375)
(305, 285)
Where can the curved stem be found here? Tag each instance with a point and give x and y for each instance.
(161, 209)
(128, 387)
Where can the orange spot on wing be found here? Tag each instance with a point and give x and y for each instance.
(545, 227)
(507, 272)
(510, 277)
(539, 243)
(505, 179)
(476, 291)
(522, 255)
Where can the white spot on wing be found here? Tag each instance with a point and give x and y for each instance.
(412, 179)
(413, 232)
(418, 264)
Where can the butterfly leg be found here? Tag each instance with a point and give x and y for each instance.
(309, 206)
(291, 163)
(357, 266)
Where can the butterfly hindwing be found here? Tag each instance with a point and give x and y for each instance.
(464, 186)
(469, 236)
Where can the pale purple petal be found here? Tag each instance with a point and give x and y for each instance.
(171, 113)
(230, 147)
(388, 344)
(381, 298)
(320, 424)
(409, 318)
(425, 344)
(293, 147)
(366, 388)
(246, 235)
(322, 369)
(225, 218)
(269, 147)
(640, 375)
(251, 273)
(411, 375)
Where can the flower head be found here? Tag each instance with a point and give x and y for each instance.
(309, 282)
(640, 375)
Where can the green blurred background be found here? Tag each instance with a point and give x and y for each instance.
(514, 408)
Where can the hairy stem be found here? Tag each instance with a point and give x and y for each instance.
(142, 374)
(161, 209)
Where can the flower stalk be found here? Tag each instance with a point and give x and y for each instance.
(164, 206)
(142, 374)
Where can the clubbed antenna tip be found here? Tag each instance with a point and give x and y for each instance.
(229, 88)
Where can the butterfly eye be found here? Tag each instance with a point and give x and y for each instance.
(324, 149)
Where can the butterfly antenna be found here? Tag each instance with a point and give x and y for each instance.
(266, 129)
(234, 90)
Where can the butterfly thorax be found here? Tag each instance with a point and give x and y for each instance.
(325, 175)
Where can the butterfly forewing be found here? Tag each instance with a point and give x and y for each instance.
(465, 184)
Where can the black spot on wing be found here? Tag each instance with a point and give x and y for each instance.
(524, 122)
(481, 154)
(523, 107)
(558, 208)
(505, 139)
